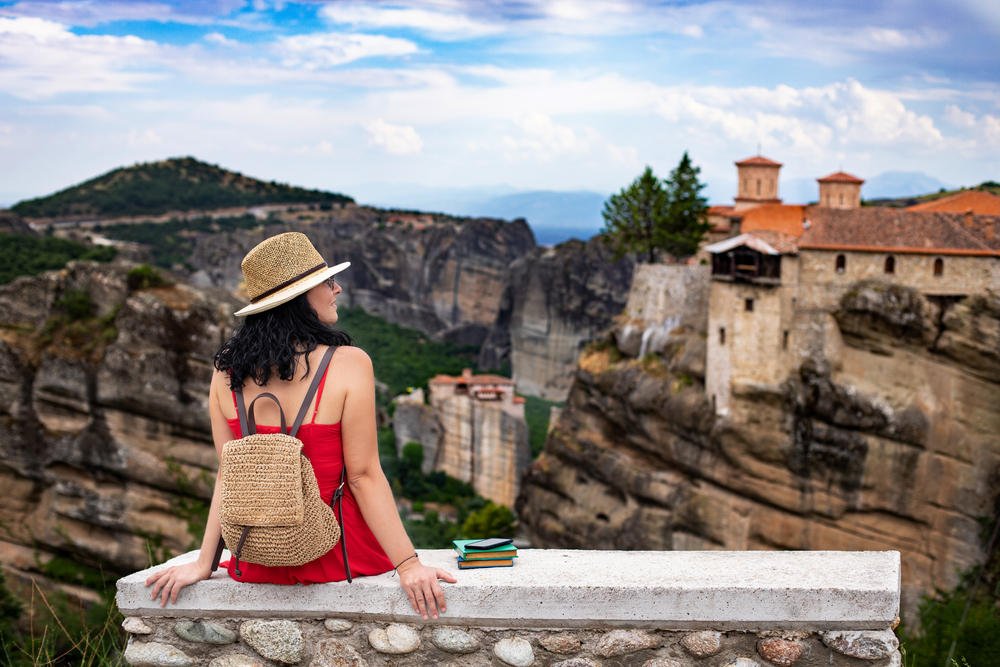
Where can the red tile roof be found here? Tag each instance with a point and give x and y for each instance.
(981, 203)
(841, 177)
(879, 229)
(474, 379)
(785, 218)
(758, 161)
(720, 210)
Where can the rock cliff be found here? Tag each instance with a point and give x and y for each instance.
(554, 301)
(106, 452)
(890, 443)
(435, 273)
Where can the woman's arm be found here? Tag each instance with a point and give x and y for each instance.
(371, 490)
(167, 583)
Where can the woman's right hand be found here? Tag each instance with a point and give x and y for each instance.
(422, 588)
(168, 583)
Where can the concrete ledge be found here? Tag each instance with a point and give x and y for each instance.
(673, 590)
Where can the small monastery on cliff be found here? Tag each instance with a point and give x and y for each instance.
(473, 430)
(779, 271)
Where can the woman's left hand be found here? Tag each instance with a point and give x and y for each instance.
(167, 583)
(422, 588)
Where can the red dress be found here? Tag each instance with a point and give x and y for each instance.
(324, 448)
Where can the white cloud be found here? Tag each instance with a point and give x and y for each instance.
(90, 13)
(440, 23)
(147, 137)
(864, 115)
(42, 58)
(395, 139)
(220, 39)
(331, 49)
(986, 130)
(693, 31)
(839, 44)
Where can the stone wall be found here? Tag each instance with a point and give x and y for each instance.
(821, 287)
(552, 609)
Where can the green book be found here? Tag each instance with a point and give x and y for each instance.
(475, 564)
(505, 552)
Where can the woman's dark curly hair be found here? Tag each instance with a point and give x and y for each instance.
(274, 340)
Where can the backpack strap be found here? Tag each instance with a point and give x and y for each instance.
(317, 377)
(338, 499)
(252, 424)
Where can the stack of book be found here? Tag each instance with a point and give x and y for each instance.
(502, 556)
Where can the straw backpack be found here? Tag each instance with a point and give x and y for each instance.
(271, 507)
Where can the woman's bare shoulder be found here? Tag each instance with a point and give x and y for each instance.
(353, 358)
(220, 380)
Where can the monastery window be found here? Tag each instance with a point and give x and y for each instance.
(841, 260)
(772, 186)
(784, 340)
(758, 187)
(841, 200)
(722, 335)
(828, 199)
(746, 188)
(890, 264)
(938, 267)
(748, 305)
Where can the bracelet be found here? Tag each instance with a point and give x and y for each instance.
(403, 561)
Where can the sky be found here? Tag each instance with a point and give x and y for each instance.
(535, 94)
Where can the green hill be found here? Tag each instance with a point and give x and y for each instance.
(178, 184)
(902, 202)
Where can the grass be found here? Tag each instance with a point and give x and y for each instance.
(51, 630)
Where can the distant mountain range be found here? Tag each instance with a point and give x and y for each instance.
(553, 216)
(183, 184)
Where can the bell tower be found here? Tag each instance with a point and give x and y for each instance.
(840, 190)
(757, 182)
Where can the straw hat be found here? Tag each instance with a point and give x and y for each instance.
(281, 268)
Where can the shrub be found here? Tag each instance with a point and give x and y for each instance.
(76, 303)
(491, 521)
(145, 277)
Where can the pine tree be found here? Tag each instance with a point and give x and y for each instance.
(652, 217)
(685, 225)
(632, 219)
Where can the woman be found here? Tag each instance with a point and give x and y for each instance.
(293, 296)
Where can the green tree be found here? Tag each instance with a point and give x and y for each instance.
(633, 217)
(652, 216)
(685, 225)
(490, 521)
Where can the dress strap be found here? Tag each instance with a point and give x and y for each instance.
(319, 395)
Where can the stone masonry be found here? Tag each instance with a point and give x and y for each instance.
(554, 608)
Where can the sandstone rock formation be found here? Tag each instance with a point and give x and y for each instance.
(439, 274)
(554, 301)
(105, 443)
(889, 442)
